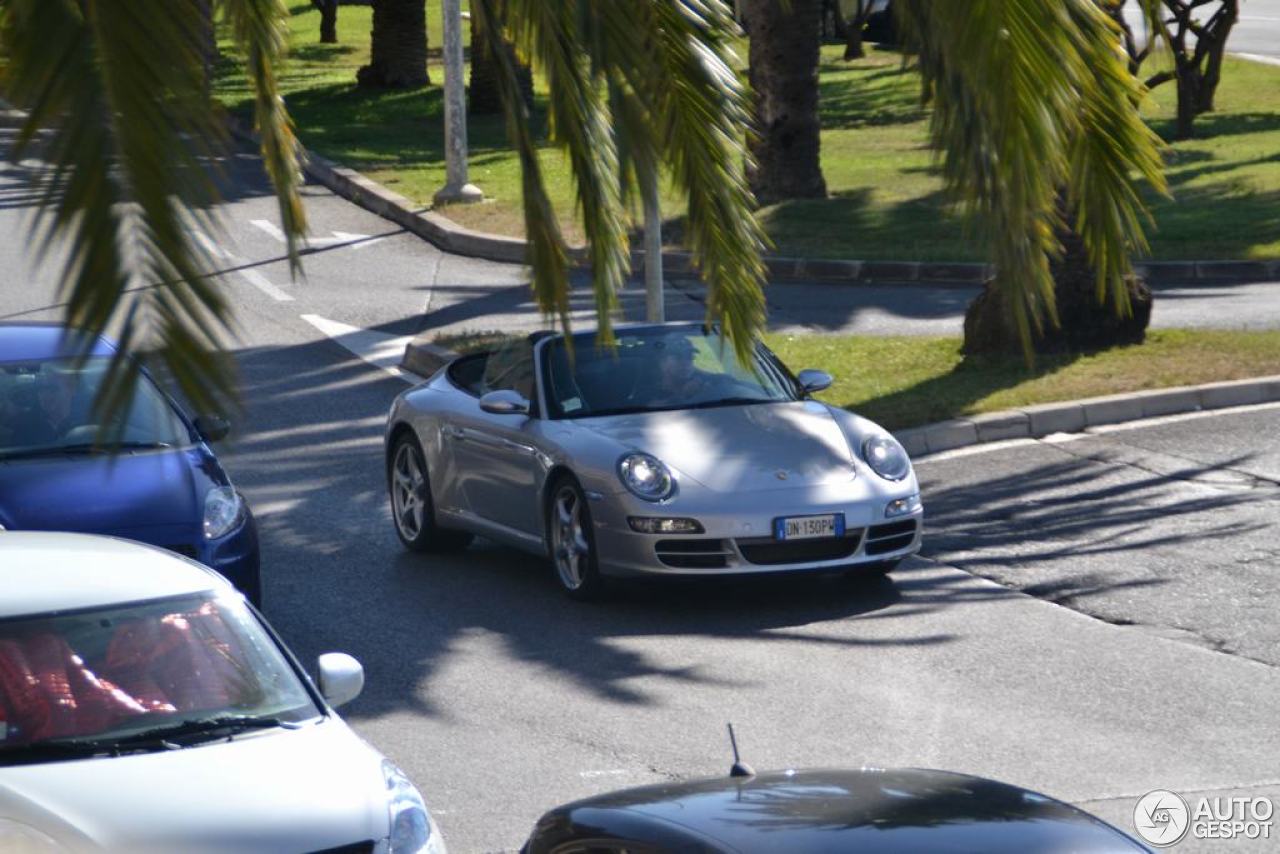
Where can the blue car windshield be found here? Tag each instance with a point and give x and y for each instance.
(47, 407)
(655, 369)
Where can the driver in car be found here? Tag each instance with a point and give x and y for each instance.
(50, 419)
(679, 381)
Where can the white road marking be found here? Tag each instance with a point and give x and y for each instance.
(209, 246)
(1063, 438)
(612, 772)
(970, 450)
(377, 348)
(338, 236)
(1257, 57)
(269, 227)
(260, 282)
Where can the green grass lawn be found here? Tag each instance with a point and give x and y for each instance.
(908, 381)
(885, 198)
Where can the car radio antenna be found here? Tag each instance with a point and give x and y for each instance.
(740, 768)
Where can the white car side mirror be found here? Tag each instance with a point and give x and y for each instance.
(341, 678)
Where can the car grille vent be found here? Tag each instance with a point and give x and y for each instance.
(765, 551)
(184, 549)
(354, 848)
(693, 554)
(882, 539)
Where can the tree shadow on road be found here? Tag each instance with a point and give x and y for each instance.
(335, 576)
(1080, 525)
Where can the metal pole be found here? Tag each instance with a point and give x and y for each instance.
(654, 305)
(456, 188)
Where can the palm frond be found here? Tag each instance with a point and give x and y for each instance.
(1113, 145)
(127, 136)
(548, 255)
(118, 111)
(636, 88)
(261, 29)
(554, 35)
(1028, 98)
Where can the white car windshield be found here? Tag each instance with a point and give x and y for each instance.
(114, 677)
(47, 407)
(659, 368)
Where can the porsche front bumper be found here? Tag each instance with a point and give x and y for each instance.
(738, 536)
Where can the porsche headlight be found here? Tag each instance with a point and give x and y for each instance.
(886, 457)
(224, 511)
(412, 830)
(646, 476)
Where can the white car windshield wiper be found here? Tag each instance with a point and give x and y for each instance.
(167, 737)
(71, 748)
(171, 737)
(216, 726)
(84, 448)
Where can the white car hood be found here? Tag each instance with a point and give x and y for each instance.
(272, 791)
(736, 449)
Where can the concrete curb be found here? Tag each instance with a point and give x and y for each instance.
(1029, 422)
(451, 237)
(1073, 416)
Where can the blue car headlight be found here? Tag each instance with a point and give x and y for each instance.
(224, 511)
(886, 457)
(412, 830)
(646, 477)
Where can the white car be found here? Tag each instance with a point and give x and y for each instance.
(145, 707)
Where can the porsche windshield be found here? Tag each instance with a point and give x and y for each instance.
(46, 407)
(99, 679)
(658, 369)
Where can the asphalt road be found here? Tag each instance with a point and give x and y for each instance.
(502, 698)
(1257, 30)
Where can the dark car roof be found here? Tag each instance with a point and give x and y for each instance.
(868, 810)
(41, 341)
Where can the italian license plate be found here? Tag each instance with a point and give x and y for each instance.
(808, 527)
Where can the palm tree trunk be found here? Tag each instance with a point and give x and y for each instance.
(853, 31)
(328, 20)
(783, 73)
(1085, 324)
(398, 56)
(1189, 87)
(208, 40)
(482, 93)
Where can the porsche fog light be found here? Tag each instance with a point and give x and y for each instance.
(886, 457)
(902, 506)
(657, 525)
(224, 511)
(646, 476)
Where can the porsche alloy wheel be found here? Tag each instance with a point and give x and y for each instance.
(572, 545)
(411, 507)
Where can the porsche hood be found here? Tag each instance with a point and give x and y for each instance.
(734, 449)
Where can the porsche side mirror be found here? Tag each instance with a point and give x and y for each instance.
(212, 428)
(341, 678)
(504, 402)
(811, 380)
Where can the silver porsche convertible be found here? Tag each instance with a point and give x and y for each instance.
(662, 455)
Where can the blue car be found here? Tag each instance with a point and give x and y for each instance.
(163, 485)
